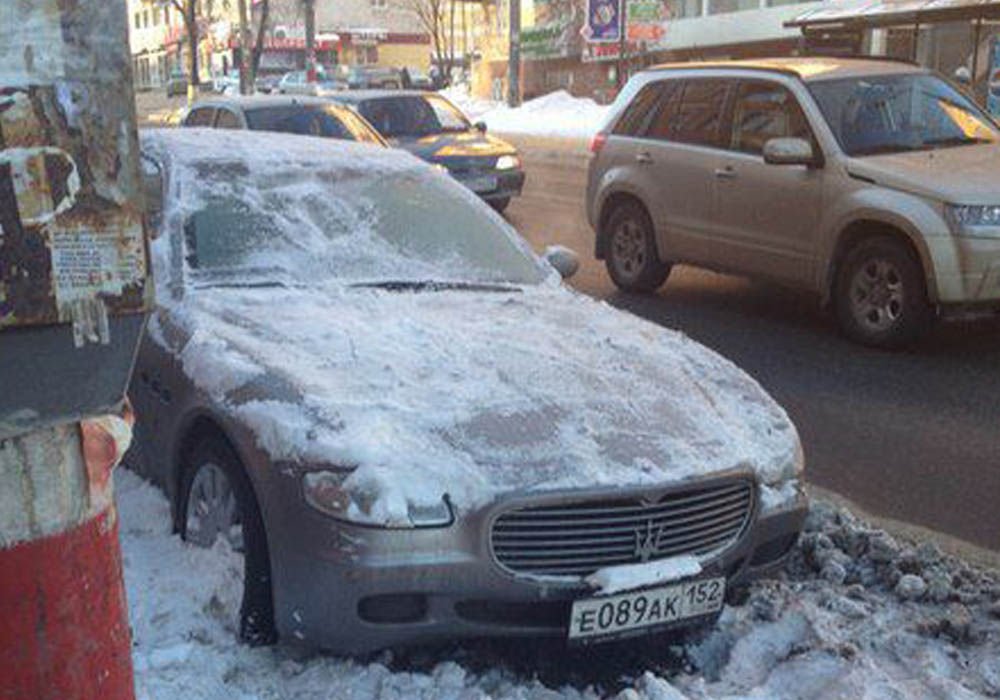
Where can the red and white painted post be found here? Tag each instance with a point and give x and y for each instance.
(64, 629)
(74, 291)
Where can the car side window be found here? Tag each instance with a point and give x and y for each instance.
(200, 116)
(764, 111)
(635, 120)
(699, 116)
(227, 119)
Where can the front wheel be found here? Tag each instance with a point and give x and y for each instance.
(632, 259)
(218, 504)
(881, 296)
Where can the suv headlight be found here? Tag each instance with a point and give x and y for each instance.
(508, 162)
(975, 216)
(325, 491)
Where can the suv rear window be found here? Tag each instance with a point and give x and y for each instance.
(635, 120)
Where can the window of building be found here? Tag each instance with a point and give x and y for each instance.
(156, 17)
(138, 20)
(379, 4)
(145, 18)
(679, 9)
(719, 7)
(366, 55)
(765, 111)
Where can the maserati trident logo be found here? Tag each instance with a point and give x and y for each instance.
(647, 542)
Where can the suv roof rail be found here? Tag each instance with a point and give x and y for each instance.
(863, 57)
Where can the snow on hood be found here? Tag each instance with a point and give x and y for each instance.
(479, 394)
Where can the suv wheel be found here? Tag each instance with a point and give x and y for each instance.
(881, 296)
(632, 260)
(218, 503)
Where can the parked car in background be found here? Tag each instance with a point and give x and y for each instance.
(369, 77)
(872, 183)
(296, 115)
(227, 83)
(432, 128)
(296, 83)
(374, 391)
(177, 84)
(419, 80)
(267, 83)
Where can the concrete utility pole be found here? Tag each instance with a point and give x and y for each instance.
(245, 87)
(622, 43)
(514, 56)
(74, 289)
(310, 8)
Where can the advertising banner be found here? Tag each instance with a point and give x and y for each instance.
(604, 20)
(993, 79)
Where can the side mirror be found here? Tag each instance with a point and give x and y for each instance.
(564, 260)
(480, 127)
(790, 151)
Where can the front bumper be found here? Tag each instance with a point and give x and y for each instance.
(509, 183)
(967, 269)
(354, 589)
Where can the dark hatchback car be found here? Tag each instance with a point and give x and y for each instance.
(292, 115)
(433, 129)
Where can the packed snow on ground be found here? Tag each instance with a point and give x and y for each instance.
(555, 114)
(857, 615)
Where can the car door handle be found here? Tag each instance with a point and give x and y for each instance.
(726, 173)
(643, 158)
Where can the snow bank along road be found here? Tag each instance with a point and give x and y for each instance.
(911, 436)
(858, 615)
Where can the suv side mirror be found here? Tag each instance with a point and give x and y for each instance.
(790, 151)
(564, 260)
(480, 127)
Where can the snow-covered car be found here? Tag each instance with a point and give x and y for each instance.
(362, 378)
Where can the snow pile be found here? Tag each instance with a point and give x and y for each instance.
(809, 635)
(555, 114)
(615, 579)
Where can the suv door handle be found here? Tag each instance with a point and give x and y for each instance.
(643, 158)
(726, 173)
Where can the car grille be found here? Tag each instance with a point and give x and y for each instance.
(577, 539)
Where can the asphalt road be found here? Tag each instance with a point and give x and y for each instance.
(913, 436)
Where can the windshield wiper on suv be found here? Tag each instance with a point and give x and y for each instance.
(955, 141)
(435, 286)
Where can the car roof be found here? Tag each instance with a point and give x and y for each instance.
(249, 102)
(807, 68)
(355, 96)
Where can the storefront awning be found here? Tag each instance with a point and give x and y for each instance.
(894, 14)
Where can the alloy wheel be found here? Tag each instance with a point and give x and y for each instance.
(877, 295)
(212, 509)
(628, 247)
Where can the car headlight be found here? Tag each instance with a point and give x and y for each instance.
(975, 216)
(508, 162)
(326, 492)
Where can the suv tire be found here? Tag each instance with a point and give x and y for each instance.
(631, 256)
(213, 462)
(881, 294)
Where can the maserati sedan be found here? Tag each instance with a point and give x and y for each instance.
(363, 380)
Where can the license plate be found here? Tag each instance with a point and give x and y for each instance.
(481, 184)
(618, 614)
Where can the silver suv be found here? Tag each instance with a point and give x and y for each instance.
(873, 183)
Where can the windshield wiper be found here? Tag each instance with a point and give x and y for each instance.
(247, 284)
(955, 141)
(435, 286)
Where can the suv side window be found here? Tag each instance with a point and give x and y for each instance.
(637, 116)
(200, 116)
(227, 119)
(699, 117)
(764, 111)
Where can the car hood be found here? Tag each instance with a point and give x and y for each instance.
(439, 148)
(478, 394)
(961, 174)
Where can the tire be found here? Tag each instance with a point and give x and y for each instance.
(214, 457)
(632, 259)
(499, 205)
(881, 294)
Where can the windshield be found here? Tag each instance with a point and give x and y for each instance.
(894, 113)
(413, 115)
(308, 226)
(312, 120)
